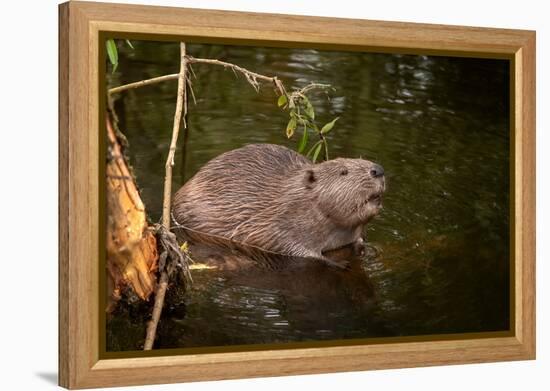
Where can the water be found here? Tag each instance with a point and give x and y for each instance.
(440, 128)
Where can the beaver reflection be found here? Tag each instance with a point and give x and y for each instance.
(318, 286)
(250, 303)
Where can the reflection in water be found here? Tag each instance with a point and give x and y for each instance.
(438, 125)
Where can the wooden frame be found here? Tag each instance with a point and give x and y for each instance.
(80, 365)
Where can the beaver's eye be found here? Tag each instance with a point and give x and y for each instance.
(344, 171)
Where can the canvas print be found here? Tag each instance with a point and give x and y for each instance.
(265, 196)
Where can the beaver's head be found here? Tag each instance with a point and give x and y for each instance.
(348, 191)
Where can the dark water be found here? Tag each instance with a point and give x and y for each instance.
(438, 125)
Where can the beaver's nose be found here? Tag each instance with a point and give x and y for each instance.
(377, 170)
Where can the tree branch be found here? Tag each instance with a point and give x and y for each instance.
(178, 116)
(181, 106)
(143, 83)
(251, 77)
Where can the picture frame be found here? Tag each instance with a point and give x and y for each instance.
(82, 30)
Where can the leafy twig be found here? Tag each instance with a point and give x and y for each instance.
(297, 103)
(301, 111)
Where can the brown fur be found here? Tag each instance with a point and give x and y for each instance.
(271, 200)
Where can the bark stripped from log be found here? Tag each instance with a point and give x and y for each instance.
(131, 246)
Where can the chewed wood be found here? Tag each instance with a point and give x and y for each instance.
(131, 248)
(80, 133)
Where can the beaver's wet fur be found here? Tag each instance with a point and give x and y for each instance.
(273, 202)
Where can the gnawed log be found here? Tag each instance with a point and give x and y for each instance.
(131, 245)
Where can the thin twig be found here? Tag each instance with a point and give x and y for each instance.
(192, 71)
(314, 86)
(143, 83)
(178, 115)
(190, 85)
(193, 60)
(301, 92)
(251, 77)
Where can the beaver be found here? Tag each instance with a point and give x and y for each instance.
(273, 200)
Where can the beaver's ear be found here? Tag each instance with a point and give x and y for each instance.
(309, 178)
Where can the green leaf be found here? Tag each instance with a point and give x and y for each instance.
(316, 153)
(282, 101)
(112, 53)
(291, 127)
(303, 141)
(328, 127)
(313, 148)
(130, 44)
(308, 108)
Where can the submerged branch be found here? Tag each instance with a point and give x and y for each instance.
(172, 262)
